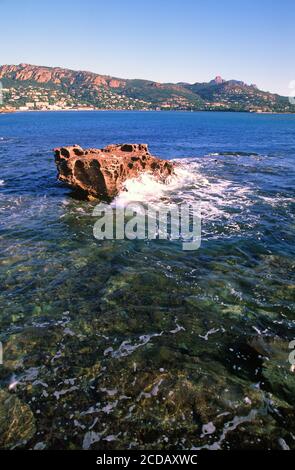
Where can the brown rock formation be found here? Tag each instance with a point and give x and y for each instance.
(56, 75)
(6, 109)
(101, 173)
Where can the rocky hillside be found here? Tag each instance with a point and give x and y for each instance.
(35, 87)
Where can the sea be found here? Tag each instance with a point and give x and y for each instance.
(138, 344)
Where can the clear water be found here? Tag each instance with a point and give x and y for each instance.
(135, 344)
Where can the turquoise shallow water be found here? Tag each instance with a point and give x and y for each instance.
(138, 344)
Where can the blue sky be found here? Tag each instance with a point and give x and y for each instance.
(163, 40)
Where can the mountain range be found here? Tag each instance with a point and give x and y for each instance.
(28, 87)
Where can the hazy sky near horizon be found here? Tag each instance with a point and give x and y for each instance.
(163, 40)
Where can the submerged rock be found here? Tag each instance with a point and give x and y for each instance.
(101, 173)
(17, 424)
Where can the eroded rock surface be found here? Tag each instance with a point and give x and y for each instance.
(101, 173)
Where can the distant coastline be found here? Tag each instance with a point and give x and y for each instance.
(12, 111)
(33, 87)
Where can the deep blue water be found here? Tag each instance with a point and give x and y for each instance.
(116, 344)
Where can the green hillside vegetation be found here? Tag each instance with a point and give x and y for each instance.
(37, 87)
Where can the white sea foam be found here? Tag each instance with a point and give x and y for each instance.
(126, 348)
(189, 185)
(228, 427)
(277, 200)
(145, 188)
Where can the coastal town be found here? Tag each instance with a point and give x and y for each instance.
(32, 98)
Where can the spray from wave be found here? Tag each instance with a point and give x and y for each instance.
(216, 196)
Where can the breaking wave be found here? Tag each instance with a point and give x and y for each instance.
(233, 154)
(216, 196)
